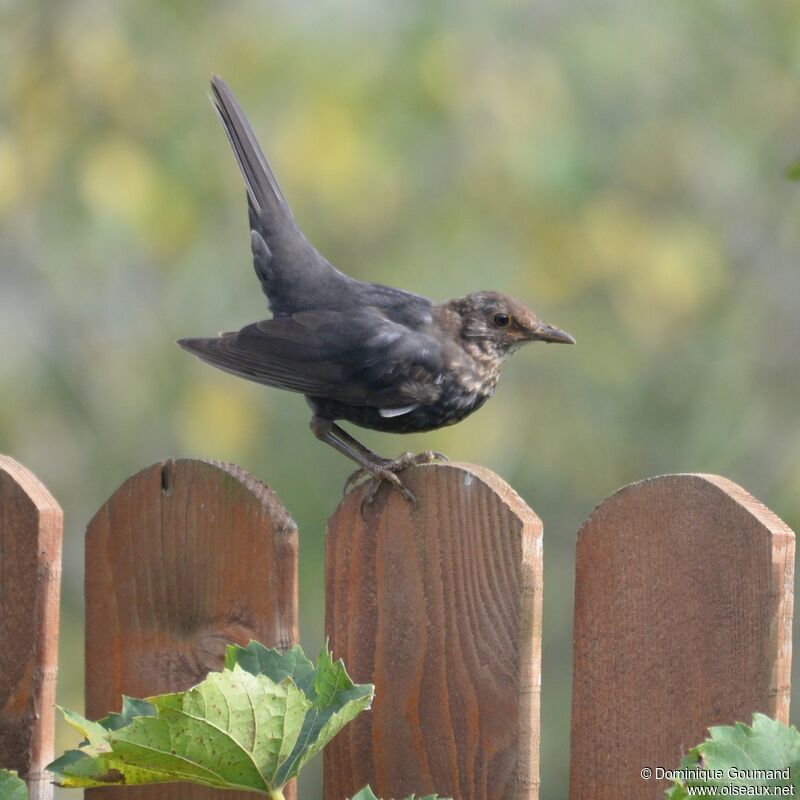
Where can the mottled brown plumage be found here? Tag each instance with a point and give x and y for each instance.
(376, 356)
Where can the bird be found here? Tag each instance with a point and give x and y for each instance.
(363, 353)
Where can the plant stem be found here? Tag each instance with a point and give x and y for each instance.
(276, 794)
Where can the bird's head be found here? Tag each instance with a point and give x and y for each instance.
(502, 324)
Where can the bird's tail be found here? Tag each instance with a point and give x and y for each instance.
(293, 275)
(265, 196)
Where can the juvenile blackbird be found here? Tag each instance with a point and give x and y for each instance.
(376, 356)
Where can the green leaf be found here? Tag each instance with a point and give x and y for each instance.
(234, 729)
(95, 733)
(12, 787)
(793, 172)
(77, 769)
(131, 707)
(94, 763)
(367, 794)
(766, 754)
(251, 726)
(336, 701)
(257, 659)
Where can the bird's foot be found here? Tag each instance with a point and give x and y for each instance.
(387, 471)
(402, 462)
(376, 480)
(413, 459)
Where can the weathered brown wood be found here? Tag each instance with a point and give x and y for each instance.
(683, 617)
(184, 558)
(441, 609)
(31, 527)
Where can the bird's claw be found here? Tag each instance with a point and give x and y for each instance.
(386, 471)
(381, 476)
(413, 459)
(402, 462)
(354, 479)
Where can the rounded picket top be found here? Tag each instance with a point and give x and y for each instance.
(683, 611)
(184, 558)
(440, 607)
(31, 528)
(20, 486)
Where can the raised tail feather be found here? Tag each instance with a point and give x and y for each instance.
(263, 192)
(293, 274)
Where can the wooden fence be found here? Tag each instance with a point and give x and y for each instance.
(683, 611)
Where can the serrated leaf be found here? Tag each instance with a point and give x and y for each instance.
(12, 787)
(257, 659)
(238, 725)
(337, 701)
(94, 764)
(250, 726)
(76, 769)
(367, 794)
(96, 735)
(764, 754)
(131, 707)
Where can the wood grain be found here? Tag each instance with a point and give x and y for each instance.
(31, 526)
(441, 609)
(683, 615)
(184, 558)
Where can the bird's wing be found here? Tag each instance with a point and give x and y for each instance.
(354, 357)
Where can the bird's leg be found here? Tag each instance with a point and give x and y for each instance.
(379, 468)
(403, 461)
(329, 432)
(395, 465)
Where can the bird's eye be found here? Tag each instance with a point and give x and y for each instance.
(501, 319)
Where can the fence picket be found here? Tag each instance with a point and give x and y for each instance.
(184, 557)
(31, 525)
(683, 612)
(441, 608)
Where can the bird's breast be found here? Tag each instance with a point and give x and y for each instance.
(459, 397)
(475, 370)
(466, 381)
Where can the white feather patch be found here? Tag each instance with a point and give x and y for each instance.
(397, 412)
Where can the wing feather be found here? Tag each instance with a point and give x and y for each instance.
(359, 358)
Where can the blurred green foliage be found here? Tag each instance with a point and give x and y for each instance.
(618, 166)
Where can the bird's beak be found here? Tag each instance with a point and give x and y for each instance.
(547, 333)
